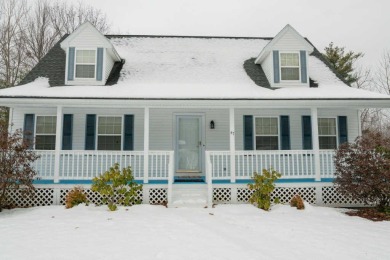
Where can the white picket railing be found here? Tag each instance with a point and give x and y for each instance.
(327, 167)
(45, 164)
(292, 164)
(84, 165)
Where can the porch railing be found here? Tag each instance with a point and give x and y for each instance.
(292, 164)
(84, 165)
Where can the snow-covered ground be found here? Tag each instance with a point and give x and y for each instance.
(155, 232)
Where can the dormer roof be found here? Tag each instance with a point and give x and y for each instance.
(293, 35)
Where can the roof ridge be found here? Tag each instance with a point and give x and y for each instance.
(185, 36)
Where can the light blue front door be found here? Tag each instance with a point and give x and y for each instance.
(189, 143)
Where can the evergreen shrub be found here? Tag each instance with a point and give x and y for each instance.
(117, 187)
(263, 186)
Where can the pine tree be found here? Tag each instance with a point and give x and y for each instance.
(343, 61)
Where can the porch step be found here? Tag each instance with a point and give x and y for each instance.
(189, 195)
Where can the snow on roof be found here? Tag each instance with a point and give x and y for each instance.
(183, 67)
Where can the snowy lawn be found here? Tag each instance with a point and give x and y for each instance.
(155, 232)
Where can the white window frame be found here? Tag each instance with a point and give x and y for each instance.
(337, 132)
(97, 131)
(255, 135)
(36, 133)
(299, 66)
(75, 63)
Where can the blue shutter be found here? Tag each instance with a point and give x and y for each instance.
(276, 66)
(71, 63)
(128, 140)
(99, 64)
(306, 133)
(343, 129)
(90, 132)
(28, 133)
(303, 67)
(67, 129)
(248, 132)
(285, 132)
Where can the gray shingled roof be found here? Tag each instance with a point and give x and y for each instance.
(52, 66)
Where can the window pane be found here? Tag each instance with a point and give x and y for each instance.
(289, 59)
(267, 143)
(290, 73)
(85, 56)
(109, 143)
(266, 126)
(85, 71)
(328, 142)
(45, 142)
(110, 125)
(46, 124)
(326, 126)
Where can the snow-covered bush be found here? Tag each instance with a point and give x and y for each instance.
(117, 187)
(75, 197)
(297, 202)
(263, 186)
(16, 159)
(363, 170)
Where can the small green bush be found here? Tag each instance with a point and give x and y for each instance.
(117, 187)
(263, 187)
(75, 197)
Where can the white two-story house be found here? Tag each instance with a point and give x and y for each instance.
(190, 115)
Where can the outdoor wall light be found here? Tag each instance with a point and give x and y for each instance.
(212, 124)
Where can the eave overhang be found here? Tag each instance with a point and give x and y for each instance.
(356, 103)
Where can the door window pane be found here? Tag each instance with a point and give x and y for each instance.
(188, 144)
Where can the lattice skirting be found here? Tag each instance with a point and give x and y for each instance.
(319, 194)
(40, 197)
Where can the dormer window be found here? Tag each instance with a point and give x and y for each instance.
(289, 66)
(85, 64)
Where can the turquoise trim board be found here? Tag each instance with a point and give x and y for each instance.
(243, 181)
(88, 182)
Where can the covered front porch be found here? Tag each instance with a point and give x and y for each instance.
(219, 143)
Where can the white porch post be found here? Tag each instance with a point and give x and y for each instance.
(146, 145)
(10, 119)
(359, 118)
(58, 145)
(316, 143)
(232, 146)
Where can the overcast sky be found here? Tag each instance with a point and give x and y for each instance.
(359, 25)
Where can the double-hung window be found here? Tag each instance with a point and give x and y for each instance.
(45, 138)
(327, 132)
(109, 133)
(85, 64)
(267, 133)
(289, 66)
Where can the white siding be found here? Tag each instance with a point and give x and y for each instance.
(87, 38)
(109, 62)
(162, 124)
(268, 68)
(162, 128)
(79, 122)
(289, 41)
(295, 122)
